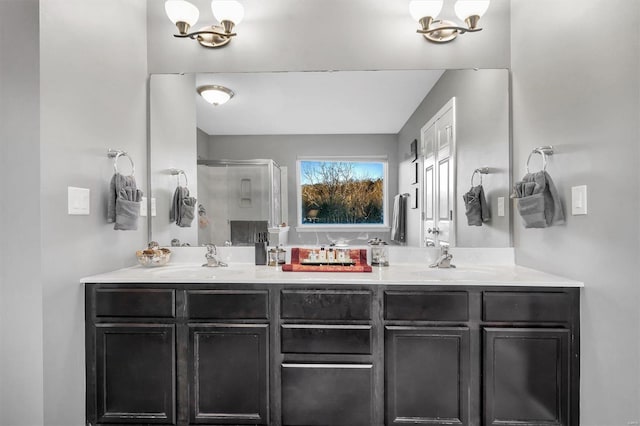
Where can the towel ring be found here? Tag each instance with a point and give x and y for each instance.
(481, 171)
(544, 151)
(115, 154)
(178, 172)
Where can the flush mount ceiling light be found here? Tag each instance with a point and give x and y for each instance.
(184, 15)
(441, 30)
(214, 94)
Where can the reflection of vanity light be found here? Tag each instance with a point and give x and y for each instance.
(214, 94)
(440, 30)
(184, 15)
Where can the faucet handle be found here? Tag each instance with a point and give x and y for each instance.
(211, 249)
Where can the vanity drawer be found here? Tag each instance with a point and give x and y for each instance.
(228, 304)
(526, 306)
(326, 339)
(426, 306)
(326, 304)
(135, 302)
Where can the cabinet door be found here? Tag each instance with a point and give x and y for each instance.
(327, 394)
(135, 373)
(526, 376)
(228, 367)
(427, 375)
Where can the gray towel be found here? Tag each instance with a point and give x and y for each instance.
(538, 201)
(118, 182)
(128, 209)
(182, 207)
(477, 210)
(399, 220)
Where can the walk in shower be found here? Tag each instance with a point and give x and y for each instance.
(238, 199)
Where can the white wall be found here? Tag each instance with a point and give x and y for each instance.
(294, 35)
(93, 82)
(579, 91)
(21, 353)
(482, 139)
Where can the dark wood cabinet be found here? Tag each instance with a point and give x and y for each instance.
(331, 355)
(228, 367)
(526, 376)
(135, 373)
(427, 375)
(327, 394)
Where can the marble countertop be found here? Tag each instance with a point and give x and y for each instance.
(404, 274)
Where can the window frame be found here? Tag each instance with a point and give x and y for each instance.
(350, 227)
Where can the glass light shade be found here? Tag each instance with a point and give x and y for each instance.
(227, 10)
(466, 8)
(422, 8)
(181, 11)
(215, 95)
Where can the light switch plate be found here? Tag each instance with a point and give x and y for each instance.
(78, 201)
(153, 206)
(500, 206)
(579, 200)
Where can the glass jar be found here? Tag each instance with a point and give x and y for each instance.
(282, 255)
(379, 252)
(272, 257)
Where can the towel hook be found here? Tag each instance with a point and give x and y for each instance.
(178, 172)
(481, 171)
(115, 154)
(544, 151)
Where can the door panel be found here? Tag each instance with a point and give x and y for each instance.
(135, 369)
(327, 394)
(438, 142)
(526, 376)
(228, 367)
(427, 375)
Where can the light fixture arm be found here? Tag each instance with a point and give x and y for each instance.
(460, 30)
(194, 34)
(443, 31)
(212, 36)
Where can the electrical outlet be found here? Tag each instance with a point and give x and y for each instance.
(500, 206)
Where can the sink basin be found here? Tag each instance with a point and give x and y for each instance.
(456, 274)
(193, 272)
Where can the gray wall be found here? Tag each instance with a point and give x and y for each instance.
(482, 129)
(285, 149)
(579, 91)
(93, 97)
(172, 132)
(296, 35)
(21, 393)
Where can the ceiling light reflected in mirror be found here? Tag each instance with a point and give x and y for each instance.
(215, 94)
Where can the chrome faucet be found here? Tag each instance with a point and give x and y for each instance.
(444, 261)
(212, 261)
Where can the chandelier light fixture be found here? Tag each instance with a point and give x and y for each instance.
(441, 30)
(215, 94)
(184, 15)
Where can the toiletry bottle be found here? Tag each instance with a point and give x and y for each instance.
(322, 257)
(331, 256)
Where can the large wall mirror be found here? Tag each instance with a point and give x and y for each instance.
(240, 161)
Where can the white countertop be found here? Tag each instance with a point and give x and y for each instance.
(405, 274)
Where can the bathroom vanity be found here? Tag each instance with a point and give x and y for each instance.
(253, 345)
